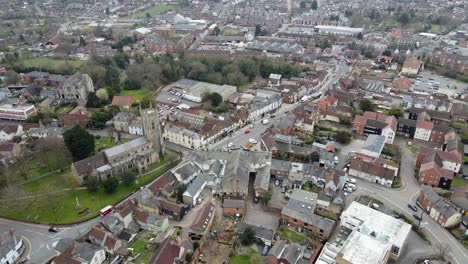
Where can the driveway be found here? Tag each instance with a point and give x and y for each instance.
(355, 145)
(255, 215)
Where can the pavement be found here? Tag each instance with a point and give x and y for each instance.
(397, 199)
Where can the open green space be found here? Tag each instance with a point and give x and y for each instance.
(157, 10)
(49, 64)
(64, 109)
(458, 182)
(107, 142)
(140, 250)
(137, 94)
(52, 204)
(252, 257)
(292, 235)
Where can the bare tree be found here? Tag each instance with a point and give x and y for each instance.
(53, 152)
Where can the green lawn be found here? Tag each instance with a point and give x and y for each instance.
(414, 150)
(435, 29)
(64, 109)
(292, 235)
(41, 208)
(139, 246)
(60, 180)
(107, 142)
(137, 94)
(157, 10)
(457, 182)
(252, 257)
(48, 64)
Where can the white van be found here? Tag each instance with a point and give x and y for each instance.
(351, 180)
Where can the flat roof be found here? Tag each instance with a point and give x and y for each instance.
(362, 248)
(383, 224)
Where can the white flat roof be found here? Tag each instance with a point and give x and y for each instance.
(361, 248)
(396, 230)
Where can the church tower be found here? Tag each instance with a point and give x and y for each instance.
(152, 129)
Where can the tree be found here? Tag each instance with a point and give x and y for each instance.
(188, 257)
(102, 95)
(128, 178)
(98, 119)
(216, 31)
(53, 153)
(214, 98)
(343, 137)
(79, 142)
(195, 245)
(266, 197)
(404, 19)
(179, 191)
(366, 105)
(258, 30)
(110, 185)
(303, 4)
(121, 60)
(93, 101)
(92, 184)
(314, 5)
(82, 41)
(247, 237)
(12, 77)
(396, 111)
(148, 16)
(387, 52)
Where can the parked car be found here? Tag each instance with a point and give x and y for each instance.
(53, 229)
(283, 189)
(265, 250)
(253, 141)
(418, 217)
(277, 183)
(230, 145)
(412, 207)
(351, 180)
(246, 131)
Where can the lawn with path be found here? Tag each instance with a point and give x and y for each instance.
(137, 94)
(157, 10)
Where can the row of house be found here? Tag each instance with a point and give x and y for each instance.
(439, 209)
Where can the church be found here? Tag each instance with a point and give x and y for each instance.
(135, 155)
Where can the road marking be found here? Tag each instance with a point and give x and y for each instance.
(29, 248)
(411, 198)
(37, 233)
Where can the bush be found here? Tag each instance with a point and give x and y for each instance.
(343, 137)
(110, 185)
(128, 178)
(188, 257)
(92, 184)
(248, 237)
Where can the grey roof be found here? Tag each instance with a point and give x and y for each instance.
(280, 165)
(236, 173)
(63, 244)
(113, 223)
(117, 150)
(431, 196)
(86, 166)
(262, 178)
(376, 123)
(187, 170)
(86, 251)
(293, 252)
(278, 248)
(444, 209)
(309, 218)
(374, 143)
(260, 232)
(232, 203)
(196, 185)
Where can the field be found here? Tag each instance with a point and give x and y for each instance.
(292, 236)
(137, 94)
(55, 196)
(53, 65)
(157, 10)
(252, 257)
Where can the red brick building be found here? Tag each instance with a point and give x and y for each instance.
(233, 207)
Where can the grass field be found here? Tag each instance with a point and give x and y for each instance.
(252, 257)
(59, 207)
(139, 246)
(107, 142)
(48, 64)
(157, 10)
(457, 182)
(137, 94)
(292, 235)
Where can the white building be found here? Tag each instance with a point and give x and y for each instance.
(389, 134)
(381, 227)
(184, 137)
(191, 195)
(423, 130)
(194, 90)
(17, 111)
(260, 107)
(341, 31)
(11, 247)
(9, 131)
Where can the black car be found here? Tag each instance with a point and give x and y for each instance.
(53, 229)
(418, 217)
(412, 207)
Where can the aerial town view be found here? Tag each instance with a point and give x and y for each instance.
(234, 131)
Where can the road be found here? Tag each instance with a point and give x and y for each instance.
(398, 199)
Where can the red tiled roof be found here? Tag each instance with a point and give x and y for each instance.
(425, 125)
(360, 120)
(158, 184)
(97, 233)
(9, 128)
(412, 63)
(27, 126)
(123, 100)
(110, 243)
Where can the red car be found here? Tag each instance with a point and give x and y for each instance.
(246, 131)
